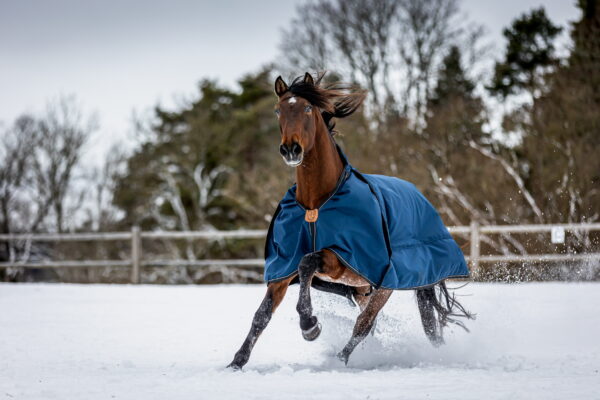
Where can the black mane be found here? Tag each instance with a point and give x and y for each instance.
(335, 100)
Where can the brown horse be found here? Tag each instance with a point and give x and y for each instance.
(305, 111)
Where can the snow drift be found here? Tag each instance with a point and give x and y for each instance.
(156, 342)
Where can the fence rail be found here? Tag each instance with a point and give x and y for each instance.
(136, 262)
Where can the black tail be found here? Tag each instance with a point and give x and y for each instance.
(439, 309)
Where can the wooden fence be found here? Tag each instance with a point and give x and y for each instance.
(137, 261)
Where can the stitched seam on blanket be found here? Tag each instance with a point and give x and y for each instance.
(432, 284)
(281, 279)
(421, 242)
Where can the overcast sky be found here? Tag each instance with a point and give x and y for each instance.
(121, 55)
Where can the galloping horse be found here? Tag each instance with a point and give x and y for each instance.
(357, 235)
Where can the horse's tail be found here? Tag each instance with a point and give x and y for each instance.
(438, 308)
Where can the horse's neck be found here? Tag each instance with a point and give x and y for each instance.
(317, 176)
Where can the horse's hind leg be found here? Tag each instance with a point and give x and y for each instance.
(365, 321)
(362, 296)
(426, 300)
(275, 294)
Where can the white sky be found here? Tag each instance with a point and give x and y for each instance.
(117, 56)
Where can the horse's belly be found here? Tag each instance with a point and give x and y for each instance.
(348, 277)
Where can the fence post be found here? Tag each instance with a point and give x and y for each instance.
(136, 254)
(474, 256)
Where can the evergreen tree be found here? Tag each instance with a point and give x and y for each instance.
(563, 136)
(452, 82)
(211, 165)
(584, 60)
(455, 118)
(529, 53)
(455, 113)
(179, 176)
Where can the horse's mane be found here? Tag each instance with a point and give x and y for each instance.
(336, 100)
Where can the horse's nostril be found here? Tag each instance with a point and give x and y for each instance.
(283, 150)
(296, 149)
(291, 151)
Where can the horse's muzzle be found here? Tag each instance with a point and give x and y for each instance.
(292, 153)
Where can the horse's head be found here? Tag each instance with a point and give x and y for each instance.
(304, 107)
(297, 121)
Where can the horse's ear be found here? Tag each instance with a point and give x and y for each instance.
(280, 86)
(308, 79)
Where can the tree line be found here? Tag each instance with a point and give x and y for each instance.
(436, 116)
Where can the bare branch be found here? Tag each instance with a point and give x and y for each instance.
(515, 176)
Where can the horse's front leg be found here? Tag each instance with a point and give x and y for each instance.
(365, 321)
(324, 262)
(275, 294)
(309, 265)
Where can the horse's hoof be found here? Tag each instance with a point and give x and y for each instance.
(343, 357)
(437, 341)
(312, 333)
(235, 367)
(238, 362)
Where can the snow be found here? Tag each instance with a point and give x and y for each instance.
(535, 340)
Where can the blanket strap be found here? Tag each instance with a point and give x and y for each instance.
(335, 288)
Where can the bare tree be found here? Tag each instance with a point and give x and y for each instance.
(392, 47)
(17, 147)
(305, 44)
(352, 37)
(100, 210)
(37, 159)
(361, 31)
(427, 28)
(62, 133)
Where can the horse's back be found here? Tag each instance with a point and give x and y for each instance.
(408, 213)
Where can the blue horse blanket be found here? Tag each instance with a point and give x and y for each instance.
(381, 227)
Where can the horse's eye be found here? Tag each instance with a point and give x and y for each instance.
(307, 109)
(277, 112)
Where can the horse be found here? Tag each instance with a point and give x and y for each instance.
(306, 110)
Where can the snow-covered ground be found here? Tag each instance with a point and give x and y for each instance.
(530, 341)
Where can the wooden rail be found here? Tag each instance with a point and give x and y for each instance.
(136, 262)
